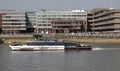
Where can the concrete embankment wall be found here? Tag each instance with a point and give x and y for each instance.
(20, 40)
(8, 39)
(25, 38)
(90, 40)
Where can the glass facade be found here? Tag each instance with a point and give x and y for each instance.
(45, 18)
(41, 22)
(31, 21)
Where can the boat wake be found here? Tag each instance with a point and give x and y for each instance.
(98, 48)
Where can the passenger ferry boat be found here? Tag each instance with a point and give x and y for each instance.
(48, 45)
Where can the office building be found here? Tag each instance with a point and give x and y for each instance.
(3, 12)
(75, 21)
(104, 20)
(52, 21)
(1, 22)
(13, 22)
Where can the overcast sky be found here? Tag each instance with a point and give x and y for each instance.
(35, 5)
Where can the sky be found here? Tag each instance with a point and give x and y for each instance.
(36, 5)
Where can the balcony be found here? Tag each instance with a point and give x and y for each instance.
(106, 27)
(106, 13)
(66, 25)
(106, 18)
(106, 23)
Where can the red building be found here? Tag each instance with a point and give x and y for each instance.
(68, 26)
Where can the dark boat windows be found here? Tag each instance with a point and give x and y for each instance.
(44, 43)
(66, 44)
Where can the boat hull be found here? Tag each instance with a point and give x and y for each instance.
(36, 48)
(48, 45)
(46, 48)
(81, 48)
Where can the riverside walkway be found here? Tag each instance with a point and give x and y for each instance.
(97, 37)
(82, 34)
(95, 34)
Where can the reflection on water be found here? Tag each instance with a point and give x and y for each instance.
(103, 60)
(15, 52)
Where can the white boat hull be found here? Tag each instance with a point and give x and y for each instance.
(36, 48)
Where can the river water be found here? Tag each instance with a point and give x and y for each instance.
(94, 60)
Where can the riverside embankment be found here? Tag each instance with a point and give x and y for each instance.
(25, 38)
(91, 40)
(8, 39)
